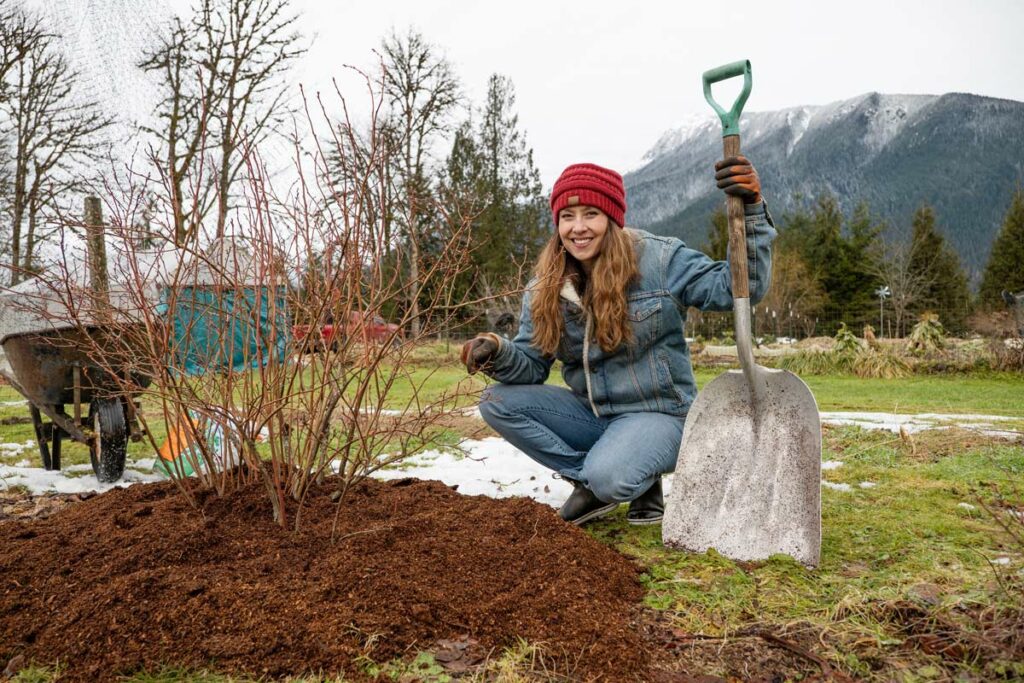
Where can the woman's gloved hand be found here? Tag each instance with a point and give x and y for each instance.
(479, 351)
(737, 176)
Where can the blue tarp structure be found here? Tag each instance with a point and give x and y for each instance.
(222, 318)
(216, 330)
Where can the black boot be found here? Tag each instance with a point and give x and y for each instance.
(649, 507)
(582, 506)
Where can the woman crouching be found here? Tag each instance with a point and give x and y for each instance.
(610, 303)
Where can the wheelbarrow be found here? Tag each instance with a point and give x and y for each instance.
(52, 370)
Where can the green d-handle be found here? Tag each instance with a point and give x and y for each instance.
(730, 119)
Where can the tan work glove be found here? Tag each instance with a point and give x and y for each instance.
(479, 351)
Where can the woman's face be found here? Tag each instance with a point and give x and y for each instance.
(582, 230)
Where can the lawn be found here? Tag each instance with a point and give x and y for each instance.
(920, 578)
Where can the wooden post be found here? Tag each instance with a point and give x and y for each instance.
(97, 250)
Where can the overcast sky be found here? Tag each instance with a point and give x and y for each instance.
(600, 81)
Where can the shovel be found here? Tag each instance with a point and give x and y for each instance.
(748, 478)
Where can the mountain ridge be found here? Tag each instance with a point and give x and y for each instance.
(957, 152)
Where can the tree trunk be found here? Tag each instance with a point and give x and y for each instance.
(97, 250)
(30, 237)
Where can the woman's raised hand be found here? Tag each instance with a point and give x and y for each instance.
(737, 176)
(478, 352)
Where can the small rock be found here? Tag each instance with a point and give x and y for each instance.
(927, 593)
(16, 664)
(855, 569)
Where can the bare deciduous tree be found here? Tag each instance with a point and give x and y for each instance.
(422, 90)
(221, 75)
(185, 115)
(794, 299)
(17, 32)
(893, 265)
(49, 130)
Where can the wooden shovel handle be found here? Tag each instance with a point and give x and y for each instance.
(737, 230)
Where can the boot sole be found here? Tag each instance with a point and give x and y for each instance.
(645, 522)
(594, 514)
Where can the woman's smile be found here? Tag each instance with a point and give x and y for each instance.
(582, 230)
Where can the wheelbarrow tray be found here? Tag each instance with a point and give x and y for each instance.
(44, 366)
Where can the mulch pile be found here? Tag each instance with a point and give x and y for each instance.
(137, 579)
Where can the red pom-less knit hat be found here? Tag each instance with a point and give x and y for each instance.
(590, 185)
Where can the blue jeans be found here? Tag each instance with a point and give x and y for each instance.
(616, 457)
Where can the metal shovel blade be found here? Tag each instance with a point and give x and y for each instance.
(748, 479)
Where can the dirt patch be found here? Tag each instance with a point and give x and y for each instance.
(992, 636)
(758, 653)
(21, 504)
(135, 579)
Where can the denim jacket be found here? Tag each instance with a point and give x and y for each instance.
(653, 374)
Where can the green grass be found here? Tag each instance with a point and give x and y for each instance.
(879, 544)
(72, 452)
(991, 393)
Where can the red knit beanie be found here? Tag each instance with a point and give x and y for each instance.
(590, 185)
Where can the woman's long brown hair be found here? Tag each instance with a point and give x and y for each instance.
(604, 298)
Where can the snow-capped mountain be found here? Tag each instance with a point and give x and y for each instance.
(961, 153)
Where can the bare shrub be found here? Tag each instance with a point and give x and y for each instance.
(993, 324)
(204, 329)
(1007, 354)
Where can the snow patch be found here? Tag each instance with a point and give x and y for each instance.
(492, 467)
(38, 480)
(892, 422)
(966, 506)
(798, 120)
(686, 129)
(11, 449)
(868, 484)
(831, 464)
(835, 486)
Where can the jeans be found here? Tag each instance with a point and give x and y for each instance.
(617, 457)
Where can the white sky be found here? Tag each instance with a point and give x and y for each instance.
(601, 81)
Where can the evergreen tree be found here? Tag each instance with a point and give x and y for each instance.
(490, 181)
(840, 253)
(938, 267)
(1005, 267)
(859, 278)
(513, 226)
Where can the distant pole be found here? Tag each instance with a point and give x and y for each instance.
(97, 250)
(881, 293)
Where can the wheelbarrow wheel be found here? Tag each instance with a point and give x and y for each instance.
(110, 444)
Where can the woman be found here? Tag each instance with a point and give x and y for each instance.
(610, 303)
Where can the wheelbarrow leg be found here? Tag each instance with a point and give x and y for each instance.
(42, 438)
(56, 435)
